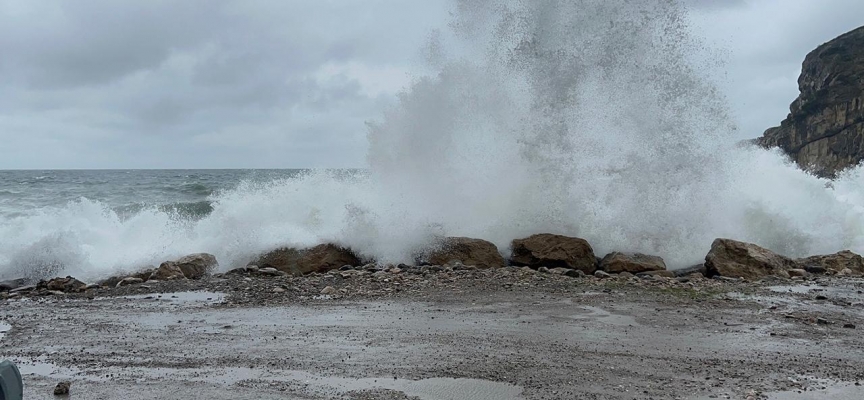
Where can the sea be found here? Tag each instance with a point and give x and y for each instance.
(186, 193)
(536, 117)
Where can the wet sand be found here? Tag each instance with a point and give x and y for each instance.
(541, 338)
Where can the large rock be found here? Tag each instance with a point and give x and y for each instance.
(321, 258)
(731, 258)
(633, 263)
(553, 251)
(824, 132)
(13, 284)
(67, 284)
(326, 257)
(468, 251)
(167, 271)
(196, 266)
(836, 262)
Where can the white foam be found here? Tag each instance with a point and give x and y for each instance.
(586, 118)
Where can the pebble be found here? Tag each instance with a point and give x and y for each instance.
(62, 388)
(328, 290)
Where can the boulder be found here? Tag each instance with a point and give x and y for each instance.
(321, 258)
(167, 271)
(554, 251)
(824, 131)
(731, 258)
(67, 284)
(326, 257)
(468, 251)
(633, 263)
(835, 262)
(12, 284)
(196, 266)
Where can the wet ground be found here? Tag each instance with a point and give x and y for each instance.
(578, 338)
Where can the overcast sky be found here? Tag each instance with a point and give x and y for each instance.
(281, 84)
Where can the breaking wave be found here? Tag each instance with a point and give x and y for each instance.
(592, 118)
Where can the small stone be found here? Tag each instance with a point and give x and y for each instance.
(849, 326)
(821, 297)
(396, 270)
(815, 269)
(543, 270)
(271, 272)
(845, 272)
(796, 272)
(660, 273)
(346, 268)
(823, 321)
(328, 290)
(601, 275)
(62, 388)
(278, 290)
(575, 273)
(625, 275)
(129, 281)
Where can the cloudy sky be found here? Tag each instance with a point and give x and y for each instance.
(281, 84)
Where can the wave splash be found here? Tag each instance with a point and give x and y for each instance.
(591, 118)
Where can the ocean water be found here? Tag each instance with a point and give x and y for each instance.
(592, 118)
(187, 193)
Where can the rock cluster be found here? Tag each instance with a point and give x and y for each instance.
(193, 266)
(542, 253)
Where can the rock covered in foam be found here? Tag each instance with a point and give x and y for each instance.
(468, 251)
(554, 251)
(167, 271)
(634, 263)
(836, 262)
(67, 284)
(731, 258)
(321, 258)
(196, 266)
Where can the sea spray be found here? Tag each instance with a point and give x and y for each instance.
(589, 118)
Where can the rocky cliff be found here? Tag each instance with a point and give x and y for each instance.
(824, 132)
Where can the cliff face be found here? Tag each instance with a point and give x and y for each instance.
(824, 132)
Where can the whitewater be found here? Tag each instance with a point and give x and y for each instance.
(596, 119)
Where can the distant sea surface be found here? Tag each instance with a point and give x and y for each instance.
(186, 192)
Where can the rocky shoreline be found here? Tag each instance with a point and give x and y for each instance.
(552, 254)
(552, 321)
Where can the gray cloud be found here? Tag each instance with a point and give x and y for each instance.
(272, 83)
(198, 83)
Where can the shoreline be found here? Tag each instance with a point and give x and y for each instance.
(510, 332)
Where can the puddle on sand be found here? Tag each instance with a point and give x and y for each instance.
(425, 389)
(849, 293)
(836, 392)
(606, 317)
(42, 368)
(176, 297)
(4, 327)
